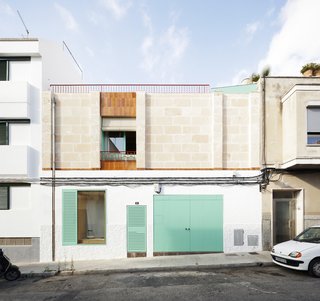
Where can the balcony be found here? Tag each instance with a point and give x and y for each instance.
(14, 160)
(301, 127)
(118, 160)
(14, 99)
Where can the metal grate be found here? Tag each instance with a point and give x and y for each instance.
(253, 240)
(238, 235)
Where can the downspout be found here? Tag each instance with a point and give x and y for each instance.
(263, 119)
(53, 168)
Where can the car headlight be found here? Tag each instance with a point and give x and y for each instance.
(295, 254)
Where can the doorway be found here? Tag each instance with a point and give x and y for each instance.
(284, 215)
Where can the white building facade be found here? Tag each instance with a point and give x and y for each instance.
(24, 74)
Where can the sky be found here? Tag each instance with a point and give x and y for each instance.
(173, 41)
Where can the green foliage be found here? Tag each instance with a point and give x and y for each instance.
(255, 77)
(310, 66)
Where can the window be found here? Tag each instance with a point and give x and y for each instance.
(83, 217)
(119, 146)
(4, 70)
(9, 63)
(313, 125)
(4, 133)
(4, 197)
(91, 217)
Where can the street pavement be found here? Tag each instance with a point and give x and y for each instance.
(144, 264)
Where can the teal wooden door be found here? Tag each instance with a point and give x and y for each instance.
(136, 228)
(171, 221)
(188, 223)
(206, 223)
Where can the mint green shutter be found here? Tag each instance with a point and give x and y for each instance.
(69, 217)
(136, 231)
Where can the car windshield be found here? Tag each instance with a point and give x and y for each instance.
(309, 235)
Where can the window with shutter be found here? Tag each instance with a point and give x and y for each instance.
(4, 197)
(83, 217)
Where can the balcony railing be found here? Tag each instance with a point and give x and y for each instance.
(148, 88)
(118, 156)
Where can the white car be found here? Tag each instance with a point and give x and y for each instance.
(301, 253)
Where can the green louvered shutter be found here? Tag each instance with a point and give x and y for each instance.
(136, 232)
(69, 217)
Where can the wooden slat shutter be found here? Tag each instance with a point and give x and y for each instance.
(136, 232)
(4, 197)
(69, 217)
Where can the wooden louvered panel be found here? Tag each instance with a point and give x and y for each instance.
(118, 165)
(118, 104)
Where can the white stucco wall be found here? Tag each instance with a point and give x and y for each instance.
(242, 210)
(21, 220)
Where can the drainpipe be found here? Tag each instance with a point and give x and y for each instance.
(263, 120)
(53, 168)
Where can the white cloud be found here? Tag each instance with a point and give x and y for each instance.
(251, 28)
(117, 7)
(162, 52)
(67, 17)
(240, 76)
(297, 42)
(5, 8)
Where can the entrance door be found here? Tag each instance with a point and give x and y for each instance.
(284, 216)
(188, 223)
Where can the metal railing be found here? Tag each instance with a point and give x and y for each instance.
(118, 156)
(148, 88)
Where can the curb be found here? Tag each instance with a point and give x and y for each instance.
(144, 270)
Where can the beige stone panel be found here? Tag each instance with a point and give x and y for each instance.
(82, 148)
(154, 147)
(71, 138)
(200, 138)
(172, 111)
(182, 139)
(182, 120)
(173, 130)
(182, 102)
(185, 157)
(172, 148)
(155, 129)
(162, 157)
(191, 130)
(160, 120)
(200, 157)
(163, 139)
(190, 148)
(202, 120)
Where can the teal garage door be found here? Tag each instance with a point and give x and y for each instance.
(188, 223)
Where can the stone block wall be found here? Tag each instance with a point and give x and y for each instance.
(78, 131)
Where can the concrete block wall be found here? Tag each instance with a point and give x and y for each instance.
(78, 130)
(178, 131)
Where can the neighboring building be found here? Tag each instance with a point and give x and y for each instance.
(27, 67)
(291, 156)
(152, 170)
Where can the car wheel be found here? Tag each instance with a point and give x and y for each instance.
(314, 267)
(12, 274)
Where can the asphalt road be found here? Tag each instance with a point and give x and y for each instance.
(258, 283)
